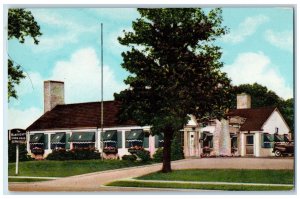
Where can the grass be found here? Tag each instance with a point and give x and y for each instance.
(200, 186)
(225, 175)
(26, 180)
(49, 168)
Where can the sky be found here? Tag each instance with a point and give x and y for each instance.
(258, 48)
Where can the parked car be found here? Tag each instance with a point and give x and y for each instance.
(283, 148)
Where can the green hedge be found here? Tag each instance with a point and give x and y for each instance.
(74, 154)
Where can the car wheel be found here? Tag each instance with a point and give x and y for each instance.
(277, 153)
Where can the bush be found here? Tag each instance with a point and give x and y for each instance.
(158, 155)
(176, 150)
(129, 157)
(74, 154)
(144, 155)
(23, 154)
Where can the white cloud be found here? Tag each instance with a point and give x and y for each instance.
(69, 32)
(82, 77)
(245, 29)
(253, 67)
(282, 40)
(22, 118)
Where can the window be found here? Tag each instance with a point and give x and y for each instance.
(267, 140)
(206, 140)
(233, 139)
(276, 129)
(249, 139)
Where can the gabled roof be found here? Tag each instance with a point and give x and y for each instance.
(255, 117)
(81, 115)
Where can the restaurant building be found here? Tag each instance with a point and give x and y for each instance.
(244, 132)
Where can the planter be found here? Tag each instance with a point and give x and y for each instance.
(37, 151)
(115, 150)
(133, 151)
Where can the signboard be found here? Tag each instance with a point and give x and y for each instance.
(18, 136)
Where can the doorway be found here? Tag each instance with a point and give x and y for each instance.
(192, 143)
(249, 144)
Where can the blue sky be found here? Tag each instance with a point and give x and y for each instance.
(258, 48)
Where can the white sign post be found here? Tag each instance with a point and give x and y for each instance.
(17, 159)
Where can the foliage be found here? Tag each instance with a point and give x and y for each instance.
(177, 148)
(21, 24)
(144, 155)
(261, 96)
(129, 157)
(22, 152)
(175, 70)
(158, 155)
(74, 154)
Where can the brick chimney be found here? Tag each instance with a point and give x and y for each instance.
(243, 101)
(53, 94)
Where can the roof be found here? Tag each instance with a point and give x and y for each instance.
(255, 117)
(81, 115)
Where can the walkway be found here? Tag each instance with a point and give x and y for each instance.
(93, 181)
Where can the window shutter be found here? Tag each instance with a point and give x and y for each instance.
(126, 136)
(119, 139)
(263, 140)
(67, 140)
(146, 141)
(46, 141)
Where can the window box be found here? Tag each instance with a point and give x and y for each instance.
(110, 150)
(135, 149)
(37, 151)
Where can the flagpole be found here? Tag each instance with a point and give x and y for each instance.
(102, 157)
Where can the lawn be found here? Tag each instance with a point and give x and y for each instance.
(226, 175)
(49, 168)
(200, 186)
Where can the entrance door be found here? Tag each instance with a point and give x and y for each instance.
(249, 144)
(192, 144)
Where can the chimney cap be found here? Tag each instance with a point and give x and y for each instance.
(54, 81)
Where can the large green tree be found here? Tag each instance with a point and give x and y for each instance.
(21, 24)
(261, 96)
(175, 70)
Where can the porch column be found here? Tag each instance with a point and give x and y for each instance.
(242, 144)
(185, 143)
(257, 144)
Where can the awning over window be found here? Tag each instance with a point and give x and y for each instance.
(110, 136)
(37, 138)
(83, 137)
(268, 138)
(161, 137)
(205, 135)
(136, 135)
(286, 138)
(278, 138)
(58, 138)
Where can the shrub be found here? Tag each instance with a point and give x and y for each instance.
(23, 154)
(74, 154)
(144, 155)
(129, 157)
(158, 155)
(176, 148)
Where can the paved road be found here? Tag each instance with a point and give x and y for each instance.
(93, 181)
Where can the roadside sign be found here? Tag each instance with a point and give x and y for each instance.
(18, 136)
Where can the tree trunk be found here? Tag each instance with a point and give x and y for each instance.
(168, 135)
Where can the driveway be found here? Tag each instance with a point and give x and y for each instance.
(93, 181)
